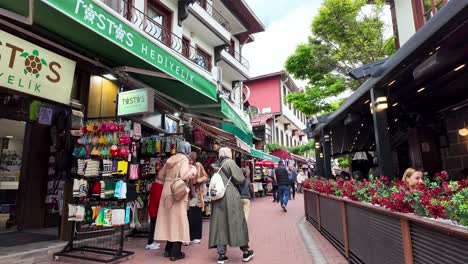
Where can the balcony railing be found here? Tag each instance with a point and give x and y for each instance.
(237, 56)
(214, 13)
(161, 34)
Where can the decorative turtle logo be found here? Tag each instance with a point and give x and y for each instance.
(32, 63)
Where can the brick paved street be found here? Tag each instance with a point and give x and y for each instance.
(276, 237)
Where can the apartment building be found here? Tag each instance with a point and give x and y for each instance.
(278, 121)
(209, 34)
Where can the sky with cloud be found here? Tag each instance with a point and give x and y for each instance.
(287, 23)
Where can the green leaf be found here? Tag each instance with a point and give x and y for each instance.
(24, 54)
(343, 37)
(37, 75)
(25, 72)
(43, 62)
(35, 52)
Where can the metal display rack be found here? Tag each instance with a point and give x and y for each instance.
(92, 242)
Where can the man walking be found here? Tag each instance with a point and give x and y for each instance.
(284, 184)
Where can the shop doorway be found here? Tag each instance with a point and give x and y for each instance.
(24, 177)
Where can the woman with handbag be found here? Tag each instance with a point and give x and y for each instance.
(228, 225)
(198, 190)
(172, 225)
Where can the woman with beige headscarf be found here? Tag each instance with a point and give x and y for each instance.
(228, 226)
(172, 224)
(198, 190)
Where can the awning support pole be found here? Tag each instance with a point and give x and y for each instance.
(382, 138)
(326, 146)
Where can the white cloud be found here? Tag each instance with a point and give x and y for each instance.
(271, 48)
(288, 23)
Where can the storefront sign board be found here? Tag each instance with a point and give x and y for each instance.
(28, 68)
(128, 36)
(134, 102)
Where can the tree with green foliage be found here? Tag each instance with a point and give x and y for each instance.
(346, 34)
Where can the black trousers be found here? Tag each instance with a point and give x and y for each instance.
(151, 232)
(174, 249)
(274, 191)
(293, 192)
(195, 222)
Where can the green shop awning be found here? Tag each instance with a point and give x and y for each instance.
(111, 37)
(239, 118)
(226, 110)
(262, 155)
(245, 137)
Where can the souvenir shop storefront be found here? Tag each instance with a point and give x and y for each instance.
(107, 154)
(36, 88)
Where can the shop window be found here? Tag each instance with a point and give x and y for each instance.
(102, 98)
(159, 21)
(203, 59)
(123, 7)
(11, 140)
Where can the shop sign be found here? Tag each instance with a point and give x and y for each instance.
(30, 69)
(133, 102)
(128, 37)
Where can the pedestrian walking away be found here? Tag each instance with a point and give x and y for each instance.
(172, 225)
(153, 206)
(198, 189)
(301, 177)
(284, 184)
(245, 193)
(274, 190)
(293, 178)
(228, 226)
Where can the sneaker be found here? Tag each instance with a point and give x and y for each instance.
(196, 241)
(222, 259)
(284, 208)
(153, 246)
(248, 255)
(187, 244)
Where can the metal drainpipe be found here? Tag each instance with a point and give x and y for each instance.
(22, 19)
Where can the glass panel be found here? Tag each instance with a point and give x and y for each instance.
(427, 5)
(154, 27)
(440, 4)
(11, 143)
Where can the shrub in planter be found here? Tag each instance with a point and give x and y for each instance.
(436, 199)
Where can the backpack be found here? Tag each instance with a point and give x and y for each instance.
(217, 188)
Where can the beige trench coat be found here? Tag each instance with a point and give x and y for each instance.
(172, 222)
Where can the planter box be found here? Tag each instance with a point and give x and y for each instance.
(371, 234)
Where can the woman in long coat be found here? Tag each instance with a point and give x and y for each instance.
(228, 225)
(172, 224)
